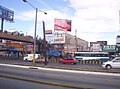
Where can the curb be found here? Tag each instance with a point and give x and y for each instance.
(64, 70)
(59, 67)
(48, 83)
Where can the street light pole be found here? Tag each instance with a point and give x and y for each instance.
(35, 36)
(34, 48)
(34, 45)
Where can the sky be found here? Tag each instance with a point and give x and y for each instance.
(94, 20)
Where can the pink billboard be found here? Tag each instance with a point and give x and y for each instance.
(62, 24)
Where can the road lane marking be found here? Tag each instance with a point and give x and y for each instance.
(63, 70)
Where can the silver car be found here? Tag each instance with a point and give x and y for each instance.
(115, 63)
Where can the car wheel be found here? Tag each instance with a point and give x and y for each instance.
(108, 66)
(26, 59)
(60, 62)
(42, 61)
(74, 63)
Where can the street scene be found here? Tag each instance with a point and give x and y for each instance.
(63, 44)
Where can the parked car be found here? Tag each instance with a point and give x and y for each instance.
(68, 61)
(38, 58)
(41, 59)
(115, 63)
(29, 57)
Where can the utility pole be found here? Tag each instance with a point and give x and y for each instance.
(2, 21)
(44, 43)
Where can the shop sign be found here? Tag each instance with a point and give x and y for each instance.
(109, 48)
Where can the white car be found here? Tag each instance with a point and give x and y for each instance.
(115, 63)
(38, 58)
(29, 57)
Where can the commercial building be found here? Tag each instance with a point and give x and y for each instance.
(66, 43)
(102, 46)
(97, 46)
(118, 43)
(73, 43)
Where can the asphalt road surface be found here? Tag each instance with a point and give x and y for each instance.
(6, 83)
(76, 79)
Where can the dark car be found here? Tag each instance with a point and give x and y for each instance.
(104, 59)
(68, 61)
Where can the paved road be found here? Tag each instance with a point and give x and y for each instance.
(77, 79)
(7, 83)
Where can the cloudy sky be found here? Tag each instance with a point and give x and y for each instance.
(94, 20)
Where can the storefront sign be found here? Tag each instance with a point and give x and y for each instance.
(109, 48)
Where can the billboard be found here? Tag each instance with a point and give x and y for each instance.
(59, 37)
(110, 48)
(62, 24)
(6, 14)
(49, 38)
(16, 45)
(55, 38)
(96, 47)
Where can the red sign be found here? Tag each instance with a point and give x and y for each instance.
(62, 24)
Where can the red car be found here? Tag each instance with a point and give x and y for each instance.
(68, 61)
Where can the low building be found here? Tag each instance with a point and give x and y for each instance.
(66, 43)
(73, 43)
(97, 46)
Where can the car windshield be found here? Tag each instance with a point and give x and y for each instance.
(69, 59)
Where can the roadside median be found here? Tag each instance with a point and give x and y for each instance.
(67, 68)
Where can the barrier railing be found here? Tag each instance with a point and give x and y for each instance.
(95, 62)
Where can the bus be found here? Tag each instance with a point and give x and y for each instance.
(102, 56)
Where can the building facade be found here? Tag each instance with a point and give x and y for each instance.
(97, 46)
(66, 43)
(73, 43)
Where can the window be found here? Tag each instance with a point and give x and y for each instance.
(117, 60)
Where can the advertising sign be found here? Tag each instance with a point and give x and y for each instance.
(62, 24)
(96, 47)
(109, 48)
(55, 38)
(59, 37)
(48, 31)
(6, 14)
(16, 45)
(50, 38)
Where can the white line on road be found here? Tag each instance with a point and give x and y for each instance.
(63, 70)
